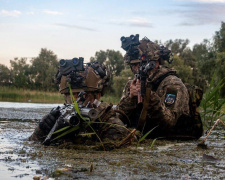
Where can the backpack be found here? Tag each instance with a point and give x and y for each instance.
(195, 97)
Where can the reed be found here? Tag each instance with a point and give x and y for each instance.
(12, 94)
(212, 105)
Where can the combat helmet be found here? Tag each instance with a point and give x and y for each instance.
(136, 50)
(154, 52)
(93, 78)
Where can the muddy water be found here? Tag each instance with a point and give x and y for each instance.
(21, 159)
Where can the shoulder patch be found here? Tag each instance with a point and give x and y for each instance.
(170, 99)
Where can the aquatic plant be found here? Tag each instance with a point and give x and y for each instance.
(145, 136)
(212, 105)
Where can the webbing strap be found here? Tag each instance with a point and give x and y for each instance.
(143, 115)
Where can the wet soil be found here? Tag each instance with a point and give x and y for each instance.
(22, 159)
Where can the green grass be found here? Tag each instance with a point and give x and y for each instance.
(21, 95)
(212, 104)
(11, 94)
(110, 99)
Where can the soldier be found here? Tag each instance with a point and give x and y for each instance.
(92, 81)
(165, 106)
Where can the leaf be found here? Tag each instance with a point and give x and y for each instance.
(153, 142)
(143, 137)
(67, 132)
(60, 130)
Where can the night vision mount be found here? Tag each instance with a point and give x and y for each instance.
(71, 65)
(130, 44)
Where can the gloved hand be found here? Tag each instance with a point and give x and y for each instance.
(135, 88)
(48, 121)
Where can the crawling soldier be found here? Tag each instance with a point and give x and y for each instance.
(92, 80)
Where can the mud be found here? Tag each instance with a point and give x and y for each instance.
(22, 159)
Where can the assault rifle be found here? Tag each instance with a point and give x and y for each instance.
(69, 116)
(145, 67)
(130, 45)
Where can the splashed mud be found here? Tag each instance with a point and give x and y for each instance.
(22, 159)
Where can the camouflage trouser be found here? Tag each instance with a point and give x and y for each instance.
(110, 126)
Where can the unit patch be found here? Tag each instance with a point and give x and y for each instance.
(170, 99)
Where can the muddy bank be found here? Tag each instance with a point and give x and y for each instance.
(21, 159)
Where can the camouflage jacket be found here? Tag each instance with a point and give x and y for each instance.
(168, 106)
(110, 126)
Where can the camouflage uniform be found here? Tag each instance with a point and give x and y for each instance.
(104, 131)
(107, 130)
(168, 107)
(170, 119)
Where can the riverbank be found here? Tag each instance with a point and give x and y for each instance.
(9, 94)
(22, 95)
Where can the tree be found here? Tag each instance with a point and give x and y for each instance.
(205, 56)
(5, 75)
(220, 65)
(177, 46)
(183, 71)
(44, 67)
(20, 72)
(112, 59)
(219, 39)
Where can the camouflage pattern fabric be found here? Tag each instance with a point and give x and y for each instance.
(152, 51)
(111, 127)
(92, 82)
(171, 117)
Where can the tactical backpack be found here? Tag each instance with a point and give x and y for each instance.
(195, 97)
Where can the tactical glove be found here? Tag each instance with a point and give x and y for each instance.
(48, 121)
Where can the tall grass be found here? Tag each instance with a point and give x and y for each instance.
(213, 106)
(12, 94)
(22, 95)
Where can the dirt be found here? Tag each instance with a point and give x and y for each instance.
(23, 159)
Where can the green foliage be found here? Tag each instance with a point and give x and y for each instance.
(110, 98)
(220, 72)
(177, 46)
(43, 68)
(119, 82)
(212, 104)
(20, 95)
(5, 75)
(20, 73)
(219, 39)
(183, 71)
(195, 66)
(205, 56)
(145, 136)
(112, 59)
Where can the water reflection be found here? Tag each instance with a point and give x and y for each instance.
(17, 105)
